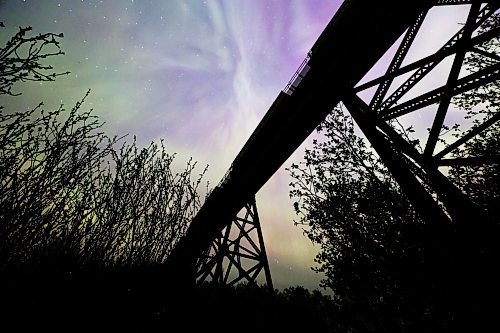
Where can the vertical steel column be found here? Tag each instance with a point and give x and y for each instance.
(264, 259)
(238, 254)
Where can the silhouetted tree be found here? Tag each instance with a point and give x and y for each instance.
(22, 57)
(366, 227)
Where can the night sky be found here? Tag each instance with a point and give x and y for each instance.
(201, 75)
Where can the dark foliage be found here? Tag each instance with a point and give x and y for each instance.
(126, 302)
(245, 308)
(375, 252)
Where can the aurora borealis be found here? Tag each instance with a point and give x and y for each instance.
(200, 74)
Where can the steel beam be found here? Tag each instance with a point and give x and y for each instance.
(449, 92)
(422, 64)
(469, 135)
(396, 62)
(469, 82)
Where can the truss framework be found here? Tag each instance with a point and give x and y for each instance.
(238, 254)
(417, 171)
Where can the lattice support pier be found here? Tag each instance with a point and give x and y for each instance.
(238, 254)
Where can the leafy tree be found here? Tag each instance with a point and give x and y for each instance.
(372, 242)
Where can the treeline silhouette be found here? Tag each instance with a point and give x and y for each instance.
(127, 302)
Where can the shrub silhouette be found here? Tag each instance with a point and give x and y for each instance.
(73, 197)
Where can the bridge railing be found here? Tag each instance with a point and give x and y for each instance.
(297, 77)
(226, 177)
